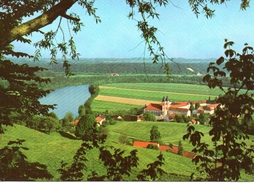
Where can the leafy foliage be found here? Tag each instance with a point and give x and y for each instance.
(230, 154)
(203, 118)
(81, 111)
(155, 135)
(123, 139)
(94, 91)
(68, 117)
(180, 148)
(116, 163)
(85, 127)
(75, 171)
(153, 171)
(151, 146)
(22, 92)
(197, 105)
(196, 5)
(148, 116)
(192, 107)
(14, 165)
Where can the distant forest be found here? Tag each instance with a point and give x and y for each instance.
(107, 71)
(125, 66)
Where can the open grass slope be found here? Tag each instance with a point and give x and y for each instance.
(52, 149)
(171, 133)
(46, 149)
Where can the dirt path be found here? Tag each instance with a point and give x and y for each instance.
(111, 87)
(124, 100)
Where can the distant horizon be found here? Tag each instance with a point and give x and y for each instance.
(180, 32)
(114, 58)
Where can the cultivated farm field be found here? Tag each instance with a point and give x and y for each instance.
(141, 94)
(125, 95)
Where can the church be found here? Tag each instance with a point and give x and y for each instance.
(166, 108)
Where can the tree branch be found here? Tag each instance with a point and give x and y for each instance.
(38, 22)
(69, 17)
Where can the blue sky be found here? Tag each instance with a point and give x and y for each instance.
(180, 32)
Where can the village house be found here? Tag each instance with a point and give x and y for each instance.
(207, 108)
(165, 109)
(100, 119)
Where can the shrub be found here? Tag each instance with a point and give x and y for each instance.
(148, 116)
(123, 139)
(151, 146)
(112, 122)
(105, 123)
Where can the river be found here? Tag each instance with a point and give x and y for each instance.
(68, 99)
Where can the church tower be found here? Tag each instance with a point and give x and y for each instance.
(165, 103)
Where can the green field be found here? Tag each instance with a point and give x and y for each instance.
(201, 90)
(151, 91)
(102, 106)
(52, 149)
(155, 91)
(171, 87)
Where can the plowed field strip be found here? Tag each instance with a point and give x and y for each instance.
(124, 100)
(110, 87)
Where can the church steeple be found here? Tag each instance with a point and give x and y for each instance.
(165, 104)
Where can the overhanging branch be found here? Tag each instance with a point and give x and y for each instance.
(38, 22)
(69, 17)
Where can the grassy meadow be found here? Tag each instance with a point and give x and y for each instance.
(102, 106)
(52, 149)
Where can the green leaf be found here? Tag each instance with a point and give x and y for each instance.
(220, 60)
(207, 78)
(228, 44)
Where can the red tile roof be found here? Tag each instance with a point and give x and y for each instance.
(179, 104)
(163, 148)
(99, 119)
(210, 107)
(154, 107)
(189, 154)
(186, 154)
(193, 121)
(75, 122)
(143, 144)
(173, 149)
